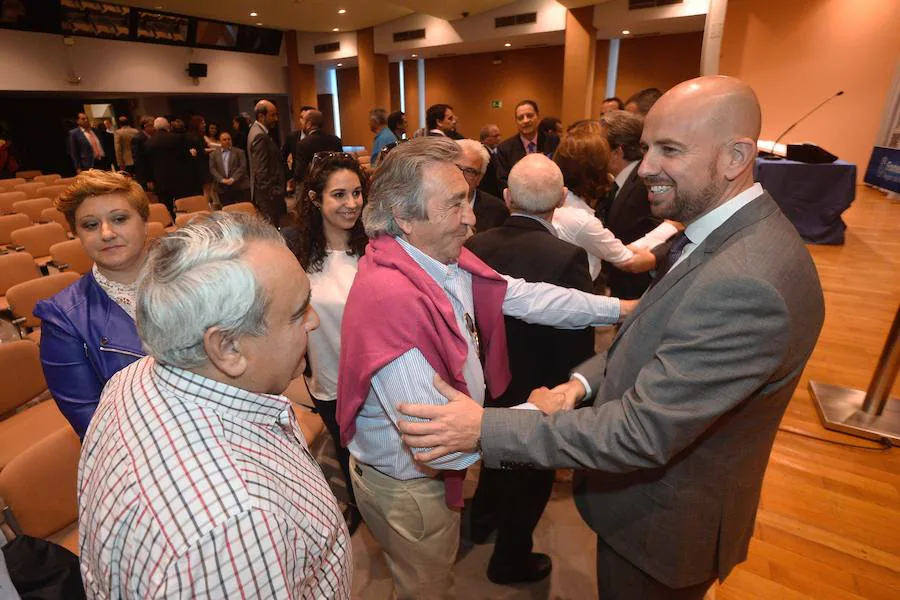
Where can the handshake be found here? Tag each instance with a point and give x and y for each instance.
(562, 397)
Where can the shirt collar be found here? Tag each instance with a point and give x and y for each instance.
(435, 268)
(625, 173)
(547, 225)
(700, 229)
(220, 397)
(264, 128)
(526, 141)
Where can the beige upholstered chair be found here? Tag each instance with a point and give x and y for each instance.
(37, 239)
(30, 189)
(23, 297)
(70, 256)
(49, 179)
(7, 199)
(54, 215)
(160, 214)
(190, 204)
(33, 207)
(184, 218)
(9, 223)
(244, 207)
(15, 268)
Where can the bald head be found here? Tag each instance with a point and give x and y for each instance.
(266, 113)
(535, 185)
(700, 141)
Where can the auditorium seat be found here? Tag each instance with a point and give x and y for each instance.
(190, 204)
(7, 199)
(49, 179)
(29, 174)
(23, 297)
(244, 207)
(160, 214)
(70, 256)
(15, 268)
(155, 230)
(23, 383)
(7, 185)
(39, 487)
(54, 215)
(64, 181)
(52, 191)
(8, 224)
(184, 218)
(30, 189)
(33, 207)
(37, 239)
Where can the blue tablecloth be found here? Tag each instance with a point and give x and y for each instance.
(813, 197)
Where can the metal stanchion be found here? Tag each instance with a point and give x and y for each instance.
(865, 414)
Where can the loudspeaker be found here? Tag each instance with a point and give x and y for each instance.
(196, 69)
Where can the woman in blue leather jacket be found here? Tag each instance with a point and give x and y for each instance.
(88, 331)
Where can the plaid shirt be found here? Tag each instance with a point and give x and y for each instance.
(188, 487)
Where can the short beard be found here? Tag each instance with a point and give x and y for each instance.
(685, 208)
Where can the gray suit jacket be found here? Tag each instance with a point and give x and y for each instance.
(267, 178)
(237, 169)
(687, 402)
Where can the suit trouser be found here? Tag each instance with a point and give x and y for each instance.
(228, 194)
(418, 532)
(620, 579)
(167, 199)
(327, 409)
(514, 501)
(273, 208)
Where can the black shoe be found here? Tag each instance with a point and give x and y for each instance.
(352, 517)
(535, 567)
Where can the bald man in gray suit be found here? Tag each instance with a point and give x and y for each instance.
(686, 404)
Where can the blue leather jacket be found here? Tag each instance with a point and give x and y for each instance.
(85, 339)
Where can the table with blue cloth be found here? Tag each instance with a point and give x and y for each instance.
(812, 197)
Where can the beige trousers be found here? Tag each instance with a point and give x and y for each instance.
(418, 532)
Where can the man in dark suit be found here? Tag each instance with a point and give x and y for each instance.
(526, 246)
(139, 151)
(440, 120)
(489, 210)
(626, 210)
(228, 167)
(170, 168)
(490, 137)
(316, 140)
(290, 143)
(267, 177)
(687, 401)
(527, 140)
(84, 146)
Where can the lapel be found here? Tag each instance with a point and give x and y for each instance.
(621, 199)
(757, 210)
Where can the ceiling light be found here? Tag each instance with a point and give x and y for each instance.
(625, 32)
(507, 44)
(342, 11)
(253, 14)
(259, 24)
(413, 55)
(340, 64)
(336, 29)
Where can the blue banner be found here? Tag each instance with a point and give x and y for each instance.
(884, 169)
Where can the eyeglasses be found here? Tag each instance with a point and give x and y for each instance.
(328, 154)
(473, 334)
(468, 171)
(387, 148)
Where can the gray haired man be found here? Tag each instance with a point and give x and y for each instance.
(440, 313)
(195, 480)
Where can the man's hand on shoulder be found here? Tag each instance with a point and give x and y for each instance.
(452, 427)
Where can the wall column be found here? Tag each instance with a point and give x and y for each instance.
(578, 65)
(712, 37)
(301, 79)
(374, 77)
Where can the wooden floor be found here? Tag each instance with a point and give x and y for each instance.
(829, 520)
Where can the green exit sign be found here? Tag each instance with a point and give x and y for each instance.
(496, 103)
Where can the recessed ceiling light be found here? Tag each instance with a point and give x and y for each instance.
(158, 7)
(259, 23)
(342, 11)
(507, 44)
(336, 29)
(340, 64)
(414, 55)
(253, 14)
(625, 32)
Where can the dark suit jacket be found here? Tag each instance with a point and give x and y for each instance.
(538, 354)
(490, 183)
(490, 211)
(316, 141)
(629, 218)
(171, 166)
(511, 150)
(142, 168)
(80, 150)
(237, 169)
(288, 148)
(687, 402)
(267, 177)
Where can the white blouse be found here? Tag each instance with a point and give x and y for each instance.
(330, 288)
(575, 223)
(123, 294)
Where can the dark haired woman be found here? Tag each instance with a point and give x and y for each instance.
(328, 241)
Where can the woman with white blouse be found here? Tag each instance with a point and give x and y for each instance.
(582, 156)
(328, 241)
